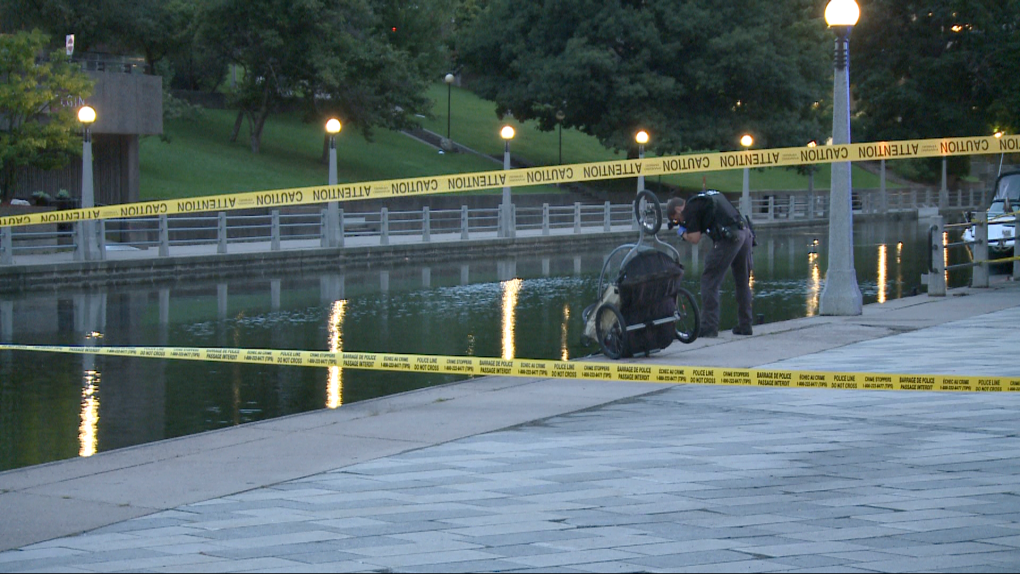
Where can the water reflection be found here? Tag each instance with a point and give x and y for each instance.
(899, 270)
(511, 290)
(882, 272)
(564, 329)
(814, 285)
(88, 428)
(90, 319)
(335, 384)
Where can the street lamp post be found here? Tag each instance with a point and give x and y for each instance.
(641, 138)
(449, 98)
(811, 184)
(745, 197)
(333, 127)
(559, 121)
(507, 133)
(841, 295)
(87, 116)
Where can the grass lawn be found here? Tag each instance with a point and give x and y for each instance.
(200, 160)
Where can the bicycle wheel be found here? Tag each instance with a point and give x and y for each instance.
(688, 320)
(611, 330)
(648, 212)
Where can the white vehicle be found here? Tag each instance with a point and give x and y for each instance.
(1001, 216)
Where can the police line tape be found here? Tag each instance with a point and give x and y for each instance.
(550, 369)
(456, 183)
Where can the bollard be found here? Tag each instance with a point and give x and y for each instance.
(464, 222)
(100, 227)
(979, 275)
(426, 224)
(384, 226)
(6, 246)
(340, 227)
(221, 232)
(1016, 249)
(937, 262)
(274, 233)
(606, 215)
(80, 244)
(164, 236)
(577, 217)
(545, 219)
(323, 228)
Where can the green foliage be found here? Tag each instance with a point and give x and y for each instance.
(941, 68)
(93, 22)
(695, 74)
(367, 61)
(38, 106)
(157, 28)
(173, 107)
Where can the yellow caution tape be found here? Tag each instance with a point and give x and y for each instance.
(456, 183)
(549, 369)
(1001, 260)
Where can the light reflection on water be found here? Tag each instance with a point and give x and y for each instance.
(521, 307)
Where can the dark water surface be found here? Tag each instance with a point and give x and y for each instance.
(58, 406)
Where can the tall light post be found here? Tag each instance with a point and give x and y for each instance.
(449, 98)
(87, 116)
(507, 133)
(841, 295)
(559, 121)
(745, 196)
(811, 177)
(641, 138)
(998, 135)
(333, 127)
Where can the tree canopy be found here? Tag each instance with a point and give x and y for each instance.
(38, 107)
(952, 71)
(696, 74)
(938, 68)
(368, 61)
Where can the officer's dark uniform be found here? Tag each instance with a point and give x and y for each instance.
(713, 215)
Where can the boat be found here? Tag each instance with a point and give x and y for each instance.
(1002, 214)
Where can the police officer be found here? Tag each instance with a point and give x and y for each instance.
(710, 213)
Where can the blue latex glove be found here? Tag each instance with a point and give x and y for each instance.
(680, 230)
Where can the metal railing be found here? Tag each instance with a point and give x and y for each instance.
(975, 240)
(224, 229)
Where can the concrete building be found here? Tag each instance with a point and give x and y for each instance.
(129, 105)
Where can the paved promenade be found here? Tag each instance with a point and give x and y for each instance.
(536, 475)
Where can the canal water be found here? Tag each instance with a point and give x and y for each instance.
(59, 406)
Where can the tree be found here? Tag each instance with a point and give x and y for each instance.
(696, 74)
(382, 66)
(156, 28)
(38, 107)
(93, 22)
(939, 68)
(367, 60)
